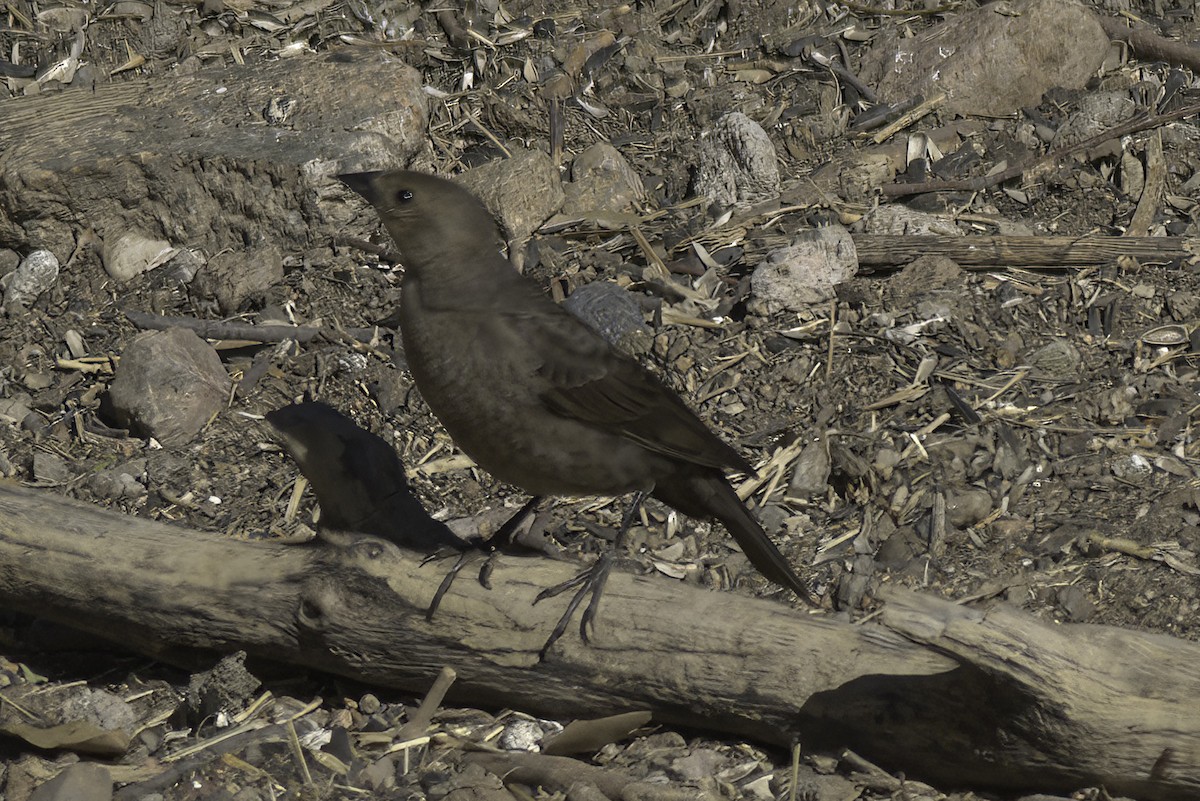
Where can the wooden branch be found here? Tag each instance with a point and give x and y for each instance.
(1149, 46)
(1023, 251)
(946, 693)
(695, 656)
(1152, 188)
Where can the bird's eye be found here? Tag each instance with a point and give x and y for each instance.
(404, 195)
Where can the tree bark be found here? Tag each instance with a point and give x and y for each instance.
(946, 693)
(984, 252)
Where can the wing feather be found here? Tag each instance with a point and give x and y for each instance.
(585, 379)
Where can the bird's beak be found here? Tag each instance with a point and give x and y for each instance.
(363, 183)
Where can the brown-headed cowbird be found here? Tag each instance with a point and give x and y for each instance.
(532, 394)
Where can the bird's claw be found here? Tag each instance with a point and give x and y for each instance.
(444, 587)
(485, 571)
(589, 582)
(569, 584)
(439, 555)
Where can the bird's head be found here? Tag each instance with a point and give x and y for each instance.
(429, 217)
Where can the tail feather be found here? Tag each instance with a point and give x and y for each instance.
(707, 494)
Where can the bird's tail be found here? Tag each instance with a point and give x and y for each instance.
(708, 494)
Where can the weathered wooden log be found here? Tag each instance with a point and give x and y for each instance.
(982, 252)
(1109, 706)
(945, 693)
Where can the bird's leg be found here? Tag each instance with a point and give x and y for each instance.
(500, 540)
(589, 582)
(505, 535)
(503, 538)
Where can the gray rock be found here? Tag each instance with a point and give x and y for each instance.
(9, 259)
(968, 507)
(83, 781)
(1058, 358)
(805, 272)
(1011, 457)
(862, 174)
(34, 423)
(15, 409)
(380, 774)
(925, 277)
(899, 220)
(235, 278)
(369, 704)
(701, 763)
(521, 734)
(1133, 174)
(226, 688)
(132, 253)
(810, 476)
(1075, 602)
(472, 783)
(37, 272)
(602, 182)
(182, 267)
(116, 484)
(105, 709)
(737, 165)
(1096, 112)
(50, 469)
(611, 312)
(121, 164)
(167, 386)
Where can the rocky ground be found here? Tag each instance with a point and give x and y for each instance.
(1014, 432)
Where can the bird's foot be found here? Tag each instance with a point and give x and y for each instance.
(502, 540)
(589, 582)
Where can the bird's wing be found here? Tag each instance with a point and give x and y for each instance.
(587, 380)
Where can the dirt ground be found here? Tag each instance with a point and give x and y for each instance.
(1069, 488)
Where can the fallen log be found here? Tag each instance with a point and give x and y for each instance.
(949, 694)
(989, 252)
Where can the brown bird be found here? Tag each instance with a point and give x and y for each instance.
(532, 394)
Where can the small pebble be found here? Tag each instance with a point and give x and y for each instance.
(369, 704)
